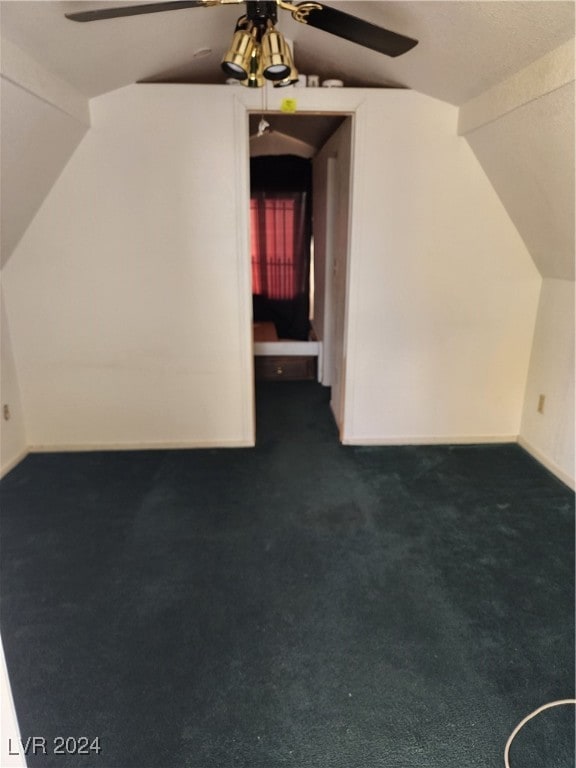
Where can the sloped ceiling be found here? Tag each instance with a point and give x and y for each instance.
(28, 126)
(528, 154)
(312, 130)
(465, 48)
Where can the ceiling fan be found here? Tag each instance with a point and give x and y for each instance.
(258, 52)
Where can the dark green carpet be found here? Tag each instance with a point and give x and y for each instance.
(299, 604)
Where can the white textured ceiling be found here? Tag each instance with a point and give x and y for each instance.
(528, 156)
(464, 46)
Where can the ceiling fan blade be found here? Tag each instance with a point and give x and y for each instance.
(354, 29)
(136, 10)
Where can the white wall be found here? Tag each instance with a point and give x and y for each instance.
(442, 293)
(12, 432)
(10, 748)
(129, 295)
(550, 435)
(335, 176)
(331, 185)
(42, 121)
(522, 132)
(322, 170)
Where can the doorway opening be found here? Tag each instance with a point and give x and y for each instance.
(313, 346)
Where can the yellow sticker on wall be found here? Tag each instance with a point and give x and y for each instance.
(288, 105)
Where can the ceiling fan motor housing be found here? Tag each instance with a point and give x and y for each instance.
(262, 12)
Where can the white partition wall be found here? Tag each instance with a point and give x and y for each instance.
(443, 292)
(128, 297)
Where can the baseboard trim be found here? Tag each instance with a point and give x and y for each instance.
(9, 466)
(160, 446)
(430, 440)
(355, 441)
(550, 465)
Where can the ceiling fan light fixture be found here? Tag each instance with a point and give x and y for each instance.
(293, 76)
(276, 62)
(255, 31)
(255, 77)
(237, 60)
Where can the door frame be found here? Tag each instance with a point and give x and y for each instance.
(314, 102)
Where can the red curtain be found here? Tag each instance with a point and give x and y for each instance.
(279, 244)
(281, 227)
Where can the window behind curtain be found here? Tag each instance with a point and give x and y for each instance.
(280, 217)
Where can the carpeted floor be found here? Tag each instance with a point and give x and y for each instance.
(298, 604)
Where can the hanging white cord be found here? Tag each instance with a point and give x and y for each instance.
(263, 125)
(521, 724)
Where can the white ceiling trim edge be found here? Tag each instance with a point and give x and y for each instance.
(21, 69)
(548, 73)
